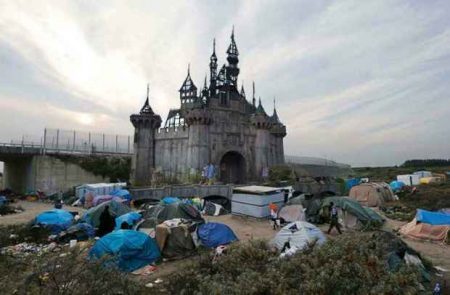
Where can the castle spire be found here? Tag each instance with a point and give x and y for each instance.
(260, 108)
(146, 109)
(213, 69)
(253, 97)
(274, 117)
(242, 90)
(188, 89)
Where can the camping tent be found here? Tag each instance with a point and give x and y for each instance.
(372, 194)
(291, 213)
(428, 225)
(214, 234)
(92, 216)
(79, 231)
(174, 238)
(130, 250)
(56, 220)
(396, 185)
(130, 218)
(431, 179)
(300, 235)
(352, 213)
(213, 209)
(159, 213)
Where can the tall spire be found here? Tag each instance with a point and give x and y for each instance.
(253, 97)
(260, 108)
(274, 117)
(146, 109)
(188, 86)
(242, 90)
(232, 49)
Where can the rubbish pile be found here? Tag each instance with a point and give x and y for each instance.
(25, 249)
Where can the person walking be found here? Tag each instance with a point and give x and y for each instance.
(334, 220)
(274, 215)
(210, 173)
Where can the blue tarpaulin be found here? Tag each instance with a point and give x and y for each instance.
(214, 234)
(170, 200)
(130, 250)
(56, 220)
(349, 183)
(3, 200)
(396, 185)
(123, 193)
(130, 218)
(434, 218)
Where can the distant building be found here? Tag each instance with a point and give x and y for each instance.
(214, 125)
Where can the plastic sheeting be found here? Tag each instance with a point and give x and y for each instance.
(56, 220)
(300, 234)
(419, 230)
(291, 213)
(433, 218)
(130, 250)
(122, 193)
(92, 216)
(396, 185)
(364, 215)
(130, 218)
(214, 234)
(170, 200)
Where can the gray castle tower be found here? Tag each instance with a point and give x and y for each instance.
(214, 125)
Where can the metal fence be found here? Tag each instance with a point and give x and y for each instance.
(86, 142)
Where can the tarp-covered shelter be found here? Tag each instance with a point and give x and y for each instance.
(427, 225)
(351, 212)
(174, 238)
(300, 234)
(55, 220)
(291, 213)
(396, 185)
(409, 179)
(129, 249)
(130, 218)
(372, 194)
(159, 213)
(92, 216)
(214, 234)
(213, 209)
(80, 231)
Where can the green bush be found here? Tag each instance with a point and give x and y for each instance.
(350, 265)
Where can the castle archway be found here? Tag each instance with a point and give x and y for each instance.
(232, 168)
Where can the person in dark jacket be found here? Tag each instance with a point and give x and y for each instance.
(107, 222)
(334, 222)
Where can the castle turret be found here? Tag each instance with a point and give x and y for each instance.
(278, 130)
(233, 60)
(262, 123)
(188, 91)
(146, 123)
(213, 70)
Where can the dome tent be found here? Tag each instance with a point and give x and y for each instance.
(300, 235)
(291, 213)
(130, 250)
(92, 216)
(396, 185)
(56, 220)
(214, 234)
(157, 214)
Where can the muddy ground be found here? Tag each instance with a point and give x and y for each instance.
(245, 228)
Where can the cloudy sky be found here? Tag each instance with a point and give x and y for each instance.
(360, 82)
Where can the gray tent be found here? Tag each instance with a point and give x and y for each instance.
(300, 235)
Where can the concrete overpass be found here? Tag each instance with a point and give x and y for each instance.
(38, 165)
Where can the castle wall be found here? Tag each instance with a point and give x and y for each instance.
(171, 151)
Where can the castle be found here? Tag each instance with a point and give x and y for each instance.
(214, 125)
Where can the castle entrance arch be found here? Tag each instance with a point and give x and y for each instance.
(232, 168)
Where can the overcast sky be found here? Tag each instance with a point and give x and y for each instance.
(359, 82)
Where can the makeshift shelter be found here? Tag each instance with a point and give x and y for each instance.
(214, 234)
(97, 189)
(123, 194)
(351, 212)
(219, 200)
(349, 183)
(409, 179)
(431, 179)
(159, 213)
(174, 238)
(427, 225)
(254, 200)
(213, 209)
(56, 220)
(92, 216)
(97, 200)
(170, 200)
(372, 194)
(79, 231)
(423, 174)
(300, 234)
(396, 185)
(130, 250)
(130, 218)
(291, 213)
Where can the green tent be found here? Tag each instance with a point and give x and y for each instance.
(159, 213)
(175, 241)
(92, 216)
(363, 214)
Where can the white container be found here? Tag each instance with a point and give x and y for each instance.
(409, 179)
(254, 200)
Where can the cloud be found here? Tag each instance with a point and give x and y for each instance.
(359, 82)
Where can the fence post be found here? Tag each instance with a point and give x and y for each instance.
(73, 143)
(89, 140)
(103, 147)
(57, 139)
(45, 141)
(117, 143)
(128, 144)
(22, 145)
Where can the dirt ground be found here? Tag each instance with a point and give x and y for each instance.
(245, 228)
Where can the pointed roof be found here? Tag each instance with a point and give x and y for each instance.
(213, 55)
(253, 97)
(146, 109)
(232, 49)
(274, 116)
(242, 90)
(260, 108)
(188, 84)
